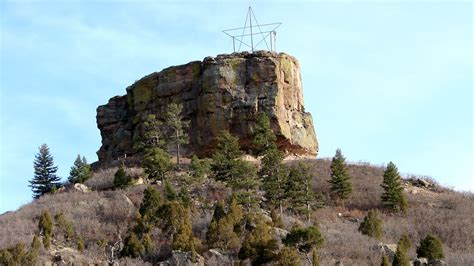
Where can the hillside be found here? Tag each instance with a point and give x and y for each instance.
(103, 216)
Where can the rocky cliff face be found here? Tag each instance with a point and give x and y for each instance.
(221, 93)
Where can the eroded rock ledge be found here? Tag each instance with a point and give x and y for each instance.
(223, 92)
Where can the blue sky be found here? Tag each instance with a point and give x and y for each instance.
(384, 81)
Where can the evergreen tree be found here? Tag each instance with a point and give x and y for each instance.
(200, 168)
(372, 225)
(401, 256)
(244, 182)
(176, 125)
(45, 227)
(222, 231)
(225, 156)
(305, 240)
(264, 138)
(80, 244)
(289, 256)
(36, 244)
(259, 245)
(314, 258)
(45, 179)
(80, 171)
(341, 184)
(121, 179)
(132, 246)
(430, 247)
(156, 161)
(405, 242)
(393, 198)
(148, 244)
(152, 200)
(170, 193)
(274, 175)
(385, 261)
(299, 192)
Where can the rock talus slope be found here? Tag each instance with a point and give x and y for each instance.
(219, 93)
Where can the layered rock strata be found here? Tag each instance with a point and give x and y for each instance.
(219, 93)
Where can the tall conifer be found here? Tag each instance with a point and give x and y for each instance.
(45, 179)
(393, 198)
(341, 184)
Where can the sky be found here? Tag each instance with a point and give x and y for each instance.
(383, 80)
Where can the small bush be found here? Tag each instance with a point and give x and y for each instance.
(121, 179)
(45, 227)
(289, 256)
(430, 247)
(132, 246)
(80, 244)
(372, 225)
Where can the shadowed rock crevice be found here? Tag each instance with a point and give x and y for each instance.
(219, 93)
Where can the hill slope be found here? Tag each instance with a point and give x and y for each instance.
(101, 218)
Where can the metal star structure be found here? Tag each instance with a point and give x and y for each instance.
(266, 34)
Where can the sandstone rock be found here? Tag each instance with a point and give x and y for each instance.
(81, 187)
(388, 249)
(437, 262)
(420, 262)
(221, 93)
(180, 258)
(217, 257)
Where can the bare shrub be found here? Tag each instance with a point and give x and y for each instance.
(102, 179)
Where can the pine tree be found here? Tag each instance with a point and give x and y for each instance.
(152, 200)
(393, 198)
(45, 227)
(401, 256)
(170, 193)
(176, 125)
(225, 156)
(121, 179)
(45, 179)
(289, 256)
(244, 182)
(156, 161)
(200, 168)
(264, 137)
(372, 225)
(305, 240)
(221, 232)
(405, 242)
(80, 171)
(299, 192)
(430, 247)
(148, 244)
(274, 175)
(259, 245)
(132, 246)
(314, 258)
(341, 184)
(385, 261)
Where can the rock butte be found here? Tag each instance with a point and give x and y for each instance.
(219, 93)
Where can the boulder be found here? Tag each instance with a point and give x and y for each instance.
(437, 262)
(420, 262)
(221, 93)
(180, 258)
(81, 187)
(388, 249)
(217, 257)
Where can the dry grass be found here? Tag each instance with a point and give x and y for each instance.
(103, 215)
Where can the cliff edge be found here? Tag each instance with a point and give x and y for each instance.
(220, 93)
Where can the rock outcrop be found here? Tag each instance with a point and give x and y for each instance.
(221, 93)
